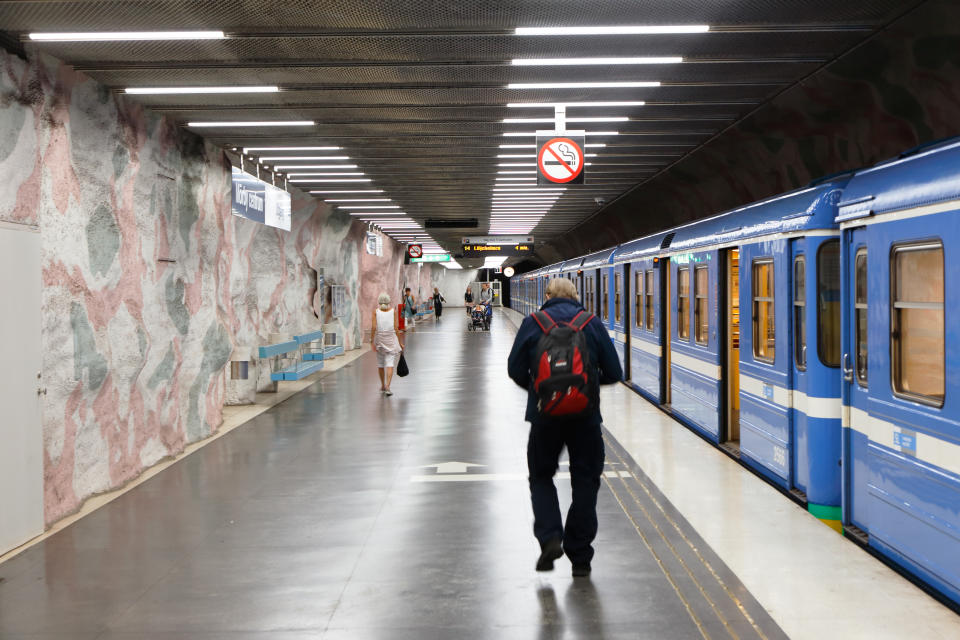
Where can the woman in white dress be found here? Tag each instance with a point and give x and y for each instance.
(386, 341)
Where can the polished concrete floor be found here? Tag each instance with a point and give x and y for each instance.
(328, 517)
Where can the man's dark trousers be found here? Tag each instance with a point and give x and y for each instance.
(584, 444)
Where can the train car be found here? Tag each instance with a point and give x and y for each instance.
(901, 430)
(595, 276)
(761, 395)
(643, 341)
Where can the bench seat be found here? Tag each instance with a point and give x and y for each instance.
(297, 371)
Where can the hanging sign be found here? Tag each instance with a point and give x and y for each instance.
(432, 257)
(415, 250)
(259, 201)
(560, 157)
(498, 240)
(520, 249)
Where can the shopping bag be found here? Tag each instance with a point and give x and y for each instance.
(402, 368)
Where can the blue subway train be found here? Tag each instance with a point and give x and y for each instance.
(805, 335)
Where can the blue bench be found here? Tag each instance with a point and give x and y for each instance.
(305, 360)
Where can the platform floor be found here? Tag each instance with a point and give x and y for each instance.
(328, 517)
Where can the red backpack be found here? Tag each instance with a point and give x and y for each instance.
(564, 377)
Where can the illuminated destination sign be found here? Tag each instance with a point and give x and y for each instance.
(522, 249)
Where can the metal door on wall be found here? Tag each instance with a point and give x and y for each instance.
(21, 439)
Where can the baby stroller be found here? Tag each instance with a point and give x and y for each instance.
(480, 317)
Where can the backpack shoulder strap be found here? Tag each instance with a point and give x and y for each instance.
(543, 319)
(581, 320)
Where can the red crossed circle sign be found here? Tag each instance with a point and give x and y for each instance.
(415, 251)
(560, 160)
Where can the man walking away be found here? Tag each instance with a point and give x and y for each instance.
(563, 409)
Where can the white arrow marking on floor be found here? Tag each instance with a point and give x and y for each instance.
(487, 477)
(452, 467)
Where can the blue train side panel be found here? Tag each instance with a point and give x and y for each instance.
(902, 452)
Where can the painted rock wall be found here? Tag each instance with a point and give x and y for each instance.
(149, 282)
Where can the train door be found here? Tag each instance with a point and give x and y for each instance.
(800, 327)
(854, 387)
(621, 311)
(666, 312)
(731, 324)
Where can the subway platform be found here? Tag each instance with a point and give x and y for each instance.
(341, 513)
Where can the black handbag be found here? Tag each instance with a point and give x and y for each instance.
(402, 368)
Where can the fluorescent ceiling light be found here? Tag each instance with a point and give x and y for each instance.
(158, 91)
(614, 30)
(252, 149)
(327, 173)
(368, 206)
(507, 172)
(558, 62)
(350, 191)
(107, 36)
(520, 134)
(494, 261)
(534, 120)
(255, 123)
(526, 181)
(537, 190)
(581, 85)
(518, 146)
(282, 158)
(326, 180)
(358, 200)
(314, 166)
(530, 164)
(552, 105)
(377, 213)
(529, 156)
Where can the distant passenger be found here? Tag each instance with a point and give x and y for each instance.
(386, 341)
(409, 308)
(486, 293)
(550, 429)
(438, 301)
(468, 299)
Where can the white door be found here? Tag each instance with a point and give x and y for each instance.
(21, 440)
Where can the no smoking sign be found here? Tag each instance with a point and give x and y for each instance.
(560, 159)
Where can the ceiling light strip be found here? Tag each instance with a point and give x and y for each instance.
(254, 123)
(115, 36)
(612, 30)
(164, 91)
(559, 62)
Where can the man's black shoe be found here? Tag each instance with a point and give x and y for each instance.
(581, 570)
(550, 552)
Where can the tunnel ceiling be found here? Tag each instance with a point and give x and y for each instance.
(415, 93)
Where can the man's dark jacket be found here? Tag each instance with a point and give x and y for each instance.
(602, 352)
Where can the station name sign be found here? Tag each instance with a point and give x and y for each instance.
(498, 240)
(514, 249)
(256, 200)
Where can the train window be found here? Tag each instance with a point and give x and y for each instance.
(638, 316)
(605, 296)
(828, 303)
(800, 312)
(683, 303)
(590, 294)
(917, 337)
(617, 283)
(701, 310)
(860, 307)
(648, 298)
(764, 328)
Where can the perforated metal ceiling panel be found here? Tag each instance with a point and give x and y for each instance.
(415, 92)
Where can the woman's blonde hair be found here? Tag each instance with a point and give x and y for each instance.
(562, 288)
(383, 300)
